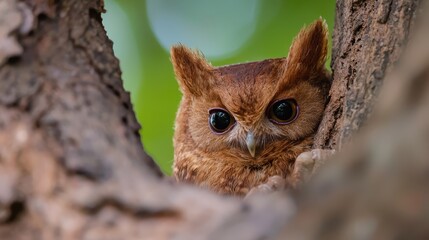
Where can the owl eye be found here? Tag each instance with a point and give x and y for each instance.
(283, 111)
(220, 120)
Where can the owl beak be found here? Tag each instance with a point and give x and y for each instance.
(251, 144)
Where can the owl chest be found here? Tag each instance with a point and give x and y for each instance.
(230, 176)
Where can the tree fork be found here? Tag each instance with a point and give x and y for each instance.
(72, 165)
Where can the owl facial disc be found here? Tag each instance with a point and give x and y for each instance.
(251, 144)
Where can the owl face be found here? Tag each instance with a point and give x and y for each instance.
(238, 117)
(245, 113)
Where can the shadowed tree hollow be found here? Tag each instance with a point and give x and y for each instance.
(72, 165)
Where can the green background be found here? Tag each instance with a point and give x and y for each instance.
(145, 62)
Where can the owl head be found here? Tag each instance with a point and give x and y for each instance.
(249, 114)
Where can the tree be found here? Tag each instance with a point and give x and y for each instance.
(72, 165)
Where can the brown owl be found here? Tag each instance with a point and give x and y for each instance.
(240, 124)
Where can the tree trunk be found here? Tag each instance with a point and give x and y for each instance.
(368, 39)
(72, 165)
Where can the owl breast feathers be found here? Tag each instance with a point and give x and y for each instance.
(238, 125)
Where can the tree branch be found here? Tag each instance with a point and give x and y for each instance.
(72, 165)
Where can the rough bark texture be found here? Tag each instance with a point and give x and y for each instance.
(72, 165)
(368, 39)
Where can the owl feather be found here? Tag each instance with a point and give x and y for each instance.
(241, 124)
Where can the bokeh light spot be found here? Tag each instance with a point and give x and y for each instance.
(217, 28)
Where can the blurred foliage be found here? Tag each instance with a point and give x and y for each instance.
(142, 31)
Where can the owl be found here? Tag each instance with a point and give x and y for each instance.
(239, 125)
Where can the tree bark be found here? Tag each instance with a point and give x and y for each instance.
(72, 165)
(368, 39)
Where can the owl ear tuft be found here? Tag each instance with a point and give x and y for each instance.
(307, 55)
(192, 70)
